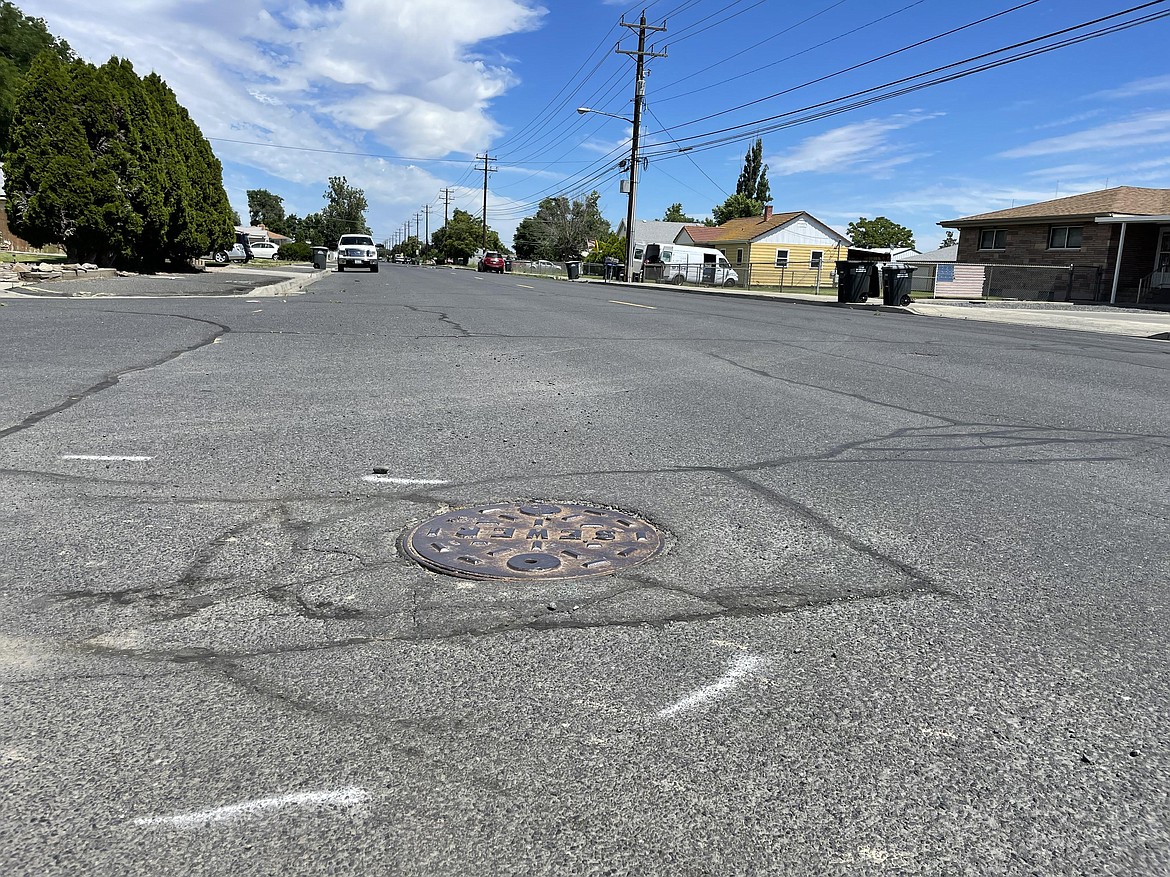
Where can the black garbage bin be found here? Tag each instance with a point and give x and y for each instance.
(896, 284)
(320, 257)
(854, 281)
(574, 269)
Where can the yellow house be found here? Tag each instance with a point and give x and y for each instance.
(775, 249)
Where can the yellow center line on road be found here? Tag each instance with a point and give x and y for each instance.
(614, 301)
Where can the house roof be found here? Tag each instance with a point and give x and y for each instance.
(653, 231)
(703, 233)
(942, 254)
(1104, 202)
(751, 227)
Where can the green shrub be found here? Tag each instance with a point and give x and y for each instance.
(298, 251)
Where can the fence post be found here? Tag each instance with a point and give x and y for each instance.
(987, 281)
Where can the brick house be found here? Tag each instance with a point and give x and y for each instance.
(1109, 245)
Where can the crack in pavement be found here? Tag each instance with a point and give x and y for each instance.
(112, 379)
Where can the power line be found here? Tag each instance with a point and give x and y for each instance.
(755, 129)
(756, 123)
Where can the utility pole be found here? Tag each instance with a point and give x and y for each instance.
(427, 209)
(485, 158)
(417, 222)
(639, 92)
(446, 204)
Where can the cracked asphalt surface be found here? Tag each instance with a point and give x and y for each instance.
(911, 617)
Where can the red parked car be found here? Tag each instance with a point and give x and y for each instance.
(491, 261)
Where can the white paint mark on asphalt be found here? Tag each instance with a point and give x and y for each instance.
(390, 479)
(614, 301)
(522, 286)
(348, 799)
(739, 668)
(109, 458)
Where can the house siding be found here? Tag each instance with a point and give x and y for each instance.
(800, 237)
(1028, 245)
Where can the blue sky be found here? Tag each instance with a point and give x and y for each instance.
(400, 96)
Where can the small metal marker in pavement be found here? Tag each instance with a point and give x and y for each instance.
(532, 540)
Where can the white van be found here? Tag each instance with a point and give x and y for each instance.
(676, 263)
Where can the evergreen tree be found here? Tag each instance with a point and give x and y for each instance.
(21, 40)
(48, 170)
(752, 191)
(949, 240)
(531, 240)
(111, 167)
(753, 180)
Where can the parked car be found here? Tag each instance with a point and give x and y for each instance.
(235, 254)
(491, 261)
(356, 251)
(264, 250)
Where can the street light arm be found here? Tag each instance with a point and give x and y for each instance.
(584, 110)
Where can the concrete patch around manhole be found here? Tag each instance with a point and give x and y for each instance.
(532, 540)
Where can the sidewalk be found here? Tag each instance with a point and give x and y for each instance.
(229, 280)
(1049, 315)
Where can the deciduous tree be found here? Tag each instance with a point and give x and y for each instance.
(736, 206)
(267, 209)
(462, 237)
(674, 213)
(879, 233)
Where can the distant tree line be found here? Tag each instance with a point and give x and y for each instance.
(344, 213)
(109, 165)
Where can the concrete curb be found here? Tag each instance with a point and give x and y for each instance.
(286, 287)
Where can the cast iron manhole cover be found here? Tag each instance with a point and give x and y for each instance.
(532, 540)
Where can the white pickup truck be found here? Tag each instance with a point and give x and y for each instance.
(356, 250)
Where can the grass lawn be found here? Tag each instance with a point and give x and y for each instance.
(9, 258)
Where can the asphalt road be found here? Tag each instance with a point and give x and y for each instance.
(910, 618)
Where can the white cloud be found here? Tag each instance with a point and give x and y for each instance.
(1144, 129)
(310, 74)
(862, 146)
(351, 77)
(1137, 88)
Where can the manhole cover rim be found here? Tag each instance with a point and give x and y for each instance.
(635, 528)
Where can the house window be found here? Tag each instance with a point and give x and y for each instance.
(815, 258)
(781, 258)
(739, 257)
(1064, 237)
(993, 239)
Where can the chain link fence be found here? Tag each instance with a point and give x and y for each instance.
(1064, 283)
